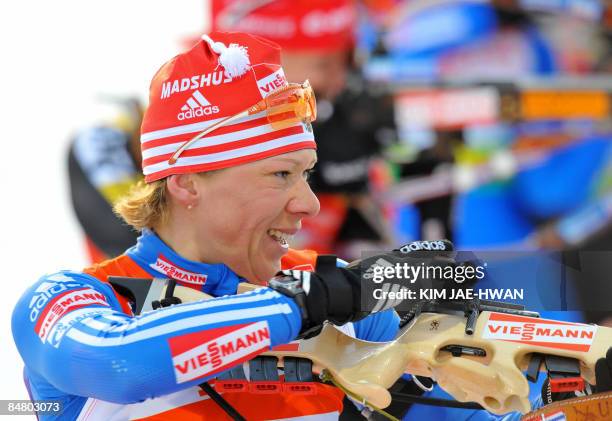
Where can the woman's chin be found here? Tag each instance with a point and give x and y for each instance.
(265, 262)
(266, 270)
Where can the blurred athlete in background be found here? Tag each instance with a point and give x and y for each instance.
(103, 164)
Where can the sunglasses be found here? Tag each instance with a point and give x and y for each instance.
(284, 107)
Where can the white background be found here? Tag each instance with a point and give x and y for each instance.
(56, 56)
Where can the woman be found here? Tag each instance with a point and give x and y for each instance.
(225, 191)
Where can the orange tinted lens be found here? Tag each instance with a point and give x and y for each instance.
(289, 106)
(312, 103)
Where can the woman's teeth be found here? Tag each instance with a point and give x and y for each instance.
(281, 237)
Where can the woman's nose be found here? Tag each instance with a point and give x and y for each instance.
(305, 202)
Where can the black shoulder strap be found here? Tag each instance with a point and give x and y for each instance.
(141, 292)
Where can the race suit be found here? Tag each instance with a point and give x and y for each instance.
(82, 344)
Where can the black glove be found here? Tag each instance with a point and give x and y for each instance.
(427, 253)
(329, 294)
(603, 372)
(338, 295)
(425, 266)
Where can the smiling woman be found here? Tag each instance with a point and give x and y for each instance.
(226, 169)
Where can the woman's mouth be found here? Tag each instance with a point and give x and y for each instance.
(282, 238)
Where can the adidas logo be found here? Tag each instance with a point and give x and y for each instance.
(423, 245)
(196, 106)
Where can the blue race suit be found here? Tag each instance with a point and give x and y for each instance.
(82, 346)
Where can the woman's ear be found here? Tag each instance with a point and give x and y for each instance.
(183, 189)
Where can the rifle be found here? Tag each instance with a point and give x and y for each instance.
(476, 350)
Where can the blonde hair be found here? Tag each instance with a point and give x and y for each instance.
(145, 206)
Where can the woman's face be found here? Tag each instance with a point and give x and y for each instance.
(246, 214)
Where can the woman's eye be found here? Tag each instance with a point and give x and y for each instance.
(286, 174)
(308, 174)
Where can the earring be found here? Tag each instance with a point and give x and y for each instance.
(189, 207)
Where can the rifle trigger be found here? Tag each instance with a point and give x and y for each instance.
(533, 370)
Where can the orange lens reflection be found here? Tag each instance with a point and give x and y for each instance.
(290, 105)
